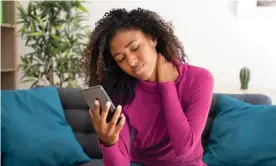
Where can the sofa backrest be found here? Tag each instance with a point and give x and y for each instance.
(77, 115)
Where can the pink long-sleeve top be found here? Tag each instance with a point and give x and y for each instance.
(168, 120)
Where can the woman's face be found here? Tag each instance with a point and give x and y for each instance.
(135, 54)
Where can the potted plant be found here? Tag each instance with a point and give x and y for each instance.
(55, 32)
(244, 78)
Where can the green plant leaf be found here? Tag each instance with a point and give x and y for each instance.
(39, 20)
(36, 33)
(83, 9)
(35, 84)
(57, 27)
(55, 37)
(29, 80)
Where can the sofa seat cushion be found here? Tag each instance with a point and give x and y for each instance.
(242, 134)
(34, 130)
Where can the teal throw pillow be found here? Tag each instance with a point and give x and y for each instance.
(242, 134)
(34, 130)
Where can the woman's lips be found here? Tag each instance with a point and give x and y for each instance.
(139, 70)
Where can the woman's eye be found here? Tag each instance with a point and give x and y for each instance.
(121, 60)
(136, 48)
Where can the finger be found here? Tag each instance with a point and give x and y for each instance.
(91, 116)
(120, 125)
(105, 111)
(94, 121)
(96, 110)
(116, 116)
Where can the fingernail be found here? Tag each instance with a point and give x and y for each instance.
(122, 115)
(96, 102)
(108, 103)
(119, 106)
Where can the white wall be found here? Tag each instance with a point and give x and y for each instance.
(214, 37)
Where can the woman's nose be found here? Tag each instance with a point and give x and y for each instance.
(132, 60)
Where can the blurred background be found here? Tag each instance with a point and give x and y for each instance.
(42, 41)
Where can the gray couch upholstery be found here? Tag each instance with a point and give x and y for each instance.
(76, 111)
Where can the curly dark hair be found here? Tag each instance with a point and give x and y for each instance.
(98, 66)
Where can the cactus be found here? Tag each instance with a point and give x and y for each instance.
(244, 77)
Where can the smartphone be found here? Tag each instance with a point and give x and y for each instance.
(98, 93)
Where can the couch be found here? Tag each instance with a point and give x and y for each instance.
(76, 111)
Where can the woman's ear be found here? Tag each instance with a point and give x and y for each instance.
(154, 42)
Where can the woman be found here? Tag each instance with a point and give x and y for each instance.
(139, 61)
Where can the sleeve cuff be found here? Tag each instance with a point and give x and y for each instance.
(113, 149)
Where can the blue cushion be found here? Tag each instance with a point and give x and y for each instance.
(34, 130)
(242, 134)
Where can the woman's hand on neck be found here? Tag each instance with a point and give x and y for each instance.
(166, 71)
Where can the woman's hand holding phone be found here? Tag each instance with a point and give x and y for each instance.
(108, 132)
